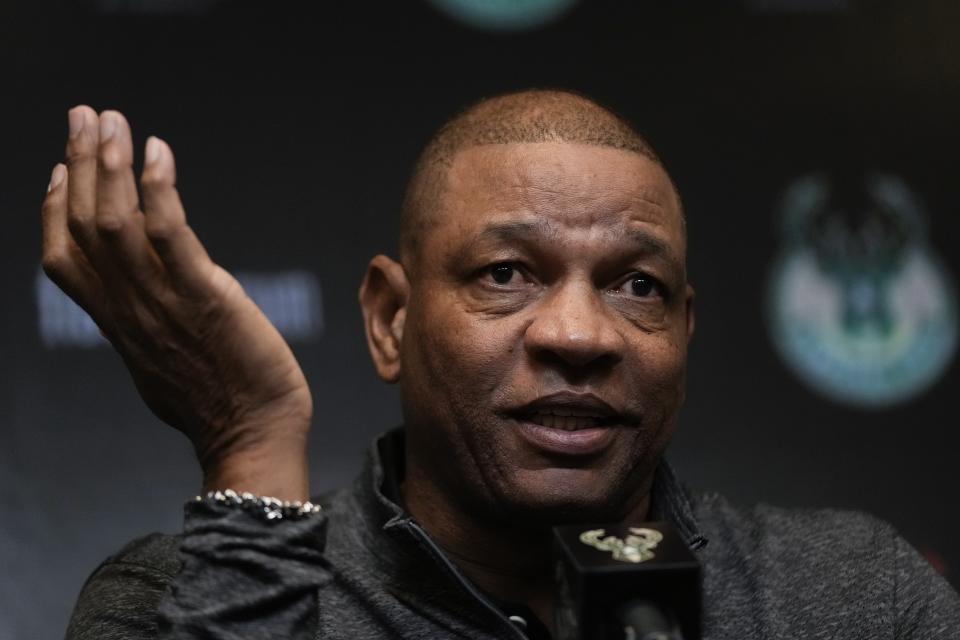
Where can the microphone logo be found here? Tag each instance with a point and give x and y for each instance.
(636, 547)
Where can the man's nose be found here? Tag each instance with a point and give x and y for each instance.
(574, 325)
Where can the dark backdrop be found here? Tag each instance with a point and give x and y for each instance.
(295, 125)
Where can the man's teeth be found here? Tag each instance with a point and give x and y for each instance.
(568, 420)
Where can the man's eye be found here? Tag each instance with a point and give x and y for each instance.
(640, 285)
(502, 273)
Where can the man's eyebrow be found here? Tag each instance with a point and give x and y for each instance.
(519, 231)
(650, 244)
(514, 231)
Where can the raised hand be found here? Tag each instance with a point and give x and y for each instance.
(202, 355)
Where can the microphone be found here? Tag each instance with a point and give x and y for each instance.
(621, 582)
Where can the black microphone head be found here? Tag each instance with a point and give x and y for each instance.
(614, 580)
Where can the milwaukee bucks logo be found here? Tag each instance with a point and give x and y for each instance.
(860, 306)
(636, 547)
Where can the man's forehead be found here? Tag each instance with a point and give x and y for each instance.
(574, 182)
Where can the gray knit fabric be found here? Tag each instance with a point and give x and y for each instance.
(364, 569)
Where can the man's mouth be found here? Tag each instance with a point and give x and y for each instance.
(569, 424)
(569, 411)
(568, 419)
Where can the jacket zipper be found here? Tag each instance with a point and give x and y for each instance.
(438, 554)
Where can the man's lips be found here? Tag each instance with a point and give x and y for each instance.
(568, 423)
(581, 442)
(569, 411)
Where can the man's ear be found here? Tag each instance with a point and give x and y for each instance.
(383, 300)
(690, 314)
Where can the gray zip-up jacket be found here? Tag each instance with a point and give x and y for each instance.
(364, 569)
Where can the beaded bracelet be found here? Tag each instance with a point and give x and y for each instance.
(271, 508)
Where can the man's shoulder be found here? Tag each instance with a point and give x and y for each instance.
(802, 555)
(804, 531)
(796, 535)
(120, 597)
(798, 570)
(156, 551)
(154, 555)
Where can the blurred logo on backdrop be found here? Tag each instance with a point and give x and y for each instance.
(290, 299)
(504, 15)
(859, 305)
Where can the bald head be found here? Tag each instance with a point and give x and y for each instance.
(524, 117)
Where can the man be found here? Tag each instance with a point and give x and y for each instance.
(537, 324)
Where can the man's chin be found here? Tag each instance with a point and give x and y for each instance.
(563, 498)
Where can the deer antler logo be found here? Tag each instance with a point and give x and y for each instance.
(636, 547)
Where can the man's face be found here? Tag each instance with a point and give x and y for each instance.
(545, 340)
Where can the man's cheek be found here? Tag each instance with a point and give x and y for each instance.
(659, 360)
(475, 346)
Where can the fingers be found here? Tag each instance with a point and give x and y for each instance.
(82, 146)
(62, 260)
(94, 232)
(181, 253)
(119, 223)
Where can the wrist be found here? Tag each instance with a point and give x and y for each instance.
(277, 468)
